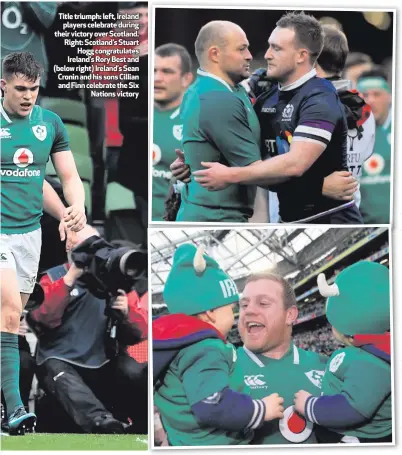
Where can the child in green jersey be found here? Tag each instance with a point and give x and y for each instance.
(355, 405)
(198, 395)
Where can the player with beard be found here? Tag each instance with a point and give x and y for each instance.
(219, 124)
(172, 76)
(304, 131)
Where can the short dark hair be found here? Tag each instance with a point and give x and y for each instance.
(308, 31)
(333, 55)
(172, 49)
(21, 63)
(376, 71)
(289, 296)
(357, 58)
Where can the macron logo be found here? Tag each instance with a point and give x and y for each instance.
(229, 288)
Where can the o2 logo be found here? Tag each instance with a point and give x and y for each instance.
(294, 427)
(12, 19)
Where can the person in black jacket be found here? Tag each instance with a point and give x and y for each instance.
(96, 382)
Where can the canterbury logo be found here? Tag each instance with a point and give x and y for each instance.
(254, 381)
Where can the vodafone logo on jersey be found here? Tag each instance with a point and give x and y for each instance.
(156, 154)
(374, 165)
(294, 427)
(23, 157)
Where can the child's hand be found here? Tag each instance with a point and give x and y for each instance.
(300, 400)
(273, 407)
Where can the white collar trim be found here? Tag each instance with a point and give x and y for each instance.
(296, 357)
(299, 81)
(388, 121)
(255, 359)
(206, 74)
(4, 113)
(175, 113)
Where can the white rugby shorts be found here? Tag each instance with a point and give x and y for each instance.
(21, 252)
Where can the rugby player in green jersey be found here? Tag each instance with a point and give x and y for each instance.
(29, 135)
(219, 124)
(375, 185)
(270, 362)
(356, 401)
(172, 76)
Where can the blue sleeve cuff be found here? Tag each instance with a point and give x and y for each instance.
(332, 411)
(230, 410)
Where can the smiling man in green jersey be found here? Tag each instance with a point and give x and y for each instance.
(219, 124)
(375, 183)
(172, 76)
(270, 362)
(29, 135)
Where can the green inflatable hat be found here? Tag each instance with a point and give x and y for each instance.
(196, 283)
(359, 300)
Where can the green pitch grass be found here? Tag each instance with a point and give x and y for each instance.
(48, 441)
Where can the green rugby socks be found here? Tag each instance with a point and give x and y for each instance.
(10, 371)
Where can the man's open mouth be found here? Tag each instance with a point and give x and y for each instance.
(254, 327)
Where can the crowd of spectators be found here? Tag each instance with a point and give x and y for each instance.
(319, 340)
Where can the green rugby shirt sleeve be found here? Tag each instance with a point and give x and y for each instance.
(366, 386)
(224, 123)
(61, 141)
(204, 369)
(205, 376)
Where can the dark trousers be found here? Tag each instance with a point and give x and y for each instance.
(118, 388)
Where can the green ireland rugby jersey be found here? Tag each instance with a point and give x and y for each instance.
(197, 372)
(219, 125)
(375, 184)
(167, 138)
(26, 144)
(365, 380)
(296, 370)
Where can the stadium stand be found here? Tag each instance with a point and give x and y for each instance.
(331, 251)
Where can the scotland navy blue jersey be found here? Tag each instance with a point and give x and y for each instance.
(308, 110)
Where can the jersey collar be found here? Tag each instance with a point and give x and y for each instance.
(256, 359)
(173, 113)
(6, 116)
(201, 72)
(4, 113)
(387, 122)
(299, 82)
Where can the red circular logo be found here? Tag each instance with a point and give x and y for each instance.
(294, 427)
